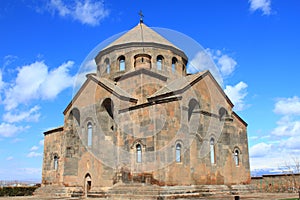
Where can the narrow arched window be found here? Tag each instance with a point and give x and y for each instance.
(212, 151)
(107, 65)
(55, 165)
(174, 62)
(159, 61)
(89, 134)
(236, 157)
(121, 63)
(178, 152)
(138, 153)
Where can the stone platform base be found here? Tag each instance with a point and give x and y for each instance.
(141, 191)
(58, 192)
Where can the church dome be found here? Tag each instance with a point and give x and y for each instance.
(140, 47)
(141, 33)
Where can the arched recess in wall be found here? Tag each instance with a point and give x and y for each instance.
(106, 115)
(74, 118)
(222, 113)
(138, 148)
(193, 115)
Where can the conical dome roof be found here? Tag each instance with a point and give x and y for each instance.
(141, 34)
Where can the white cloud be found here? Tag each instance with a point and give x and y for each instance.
(30, 171)
(60, 7)
(288, 106)
(87, 68)
(57, 80)
(9, 59)
(284, 138)
(260, 150)
(203, 60)
(9, 158)
(287, 126)
(289, 123)
(16, 140)
(28, 116)
(237, 94)
(86, 12)
(254, 137)
(263, 5)
(9, 130)
(1, 81)
(26, 86)
(41, 142)
(292, 143)
(227, 65)
(34, 81)
(219, 64)
(34, 148)
(15, 173)
(34, 154)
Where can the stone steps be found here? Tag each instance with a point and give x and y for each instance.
(204, 190)
(135, 189)
(55, 191)
(142, 191)
(242, 189)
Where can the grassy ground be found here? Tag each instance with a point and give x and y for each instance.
(291, 199)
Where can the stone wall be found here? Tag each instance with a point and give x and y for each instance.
(53, 160)
(277, 183)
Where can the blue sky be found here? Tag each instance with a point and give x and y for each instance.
(254, 43)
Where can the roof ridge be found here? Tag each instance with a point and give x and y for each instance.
(141, 33)
(177, 85)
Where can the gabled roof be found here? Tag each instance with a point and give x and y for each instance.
(106, 84)
(141, 34)
(54, 130)
(239, 118)
(111, 87)
(178, 86)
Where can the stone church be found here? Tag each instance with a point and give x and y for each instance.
(142, 125)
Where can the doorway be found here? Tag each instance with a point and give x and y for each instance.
(87, 184)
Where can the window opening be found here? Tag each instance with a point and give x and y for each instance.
(212, 151)
(122, 63)
(178, 152)
(90, 134)
(138, 153)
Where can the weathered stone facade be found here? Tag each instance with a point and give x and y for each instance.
(142, 119)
